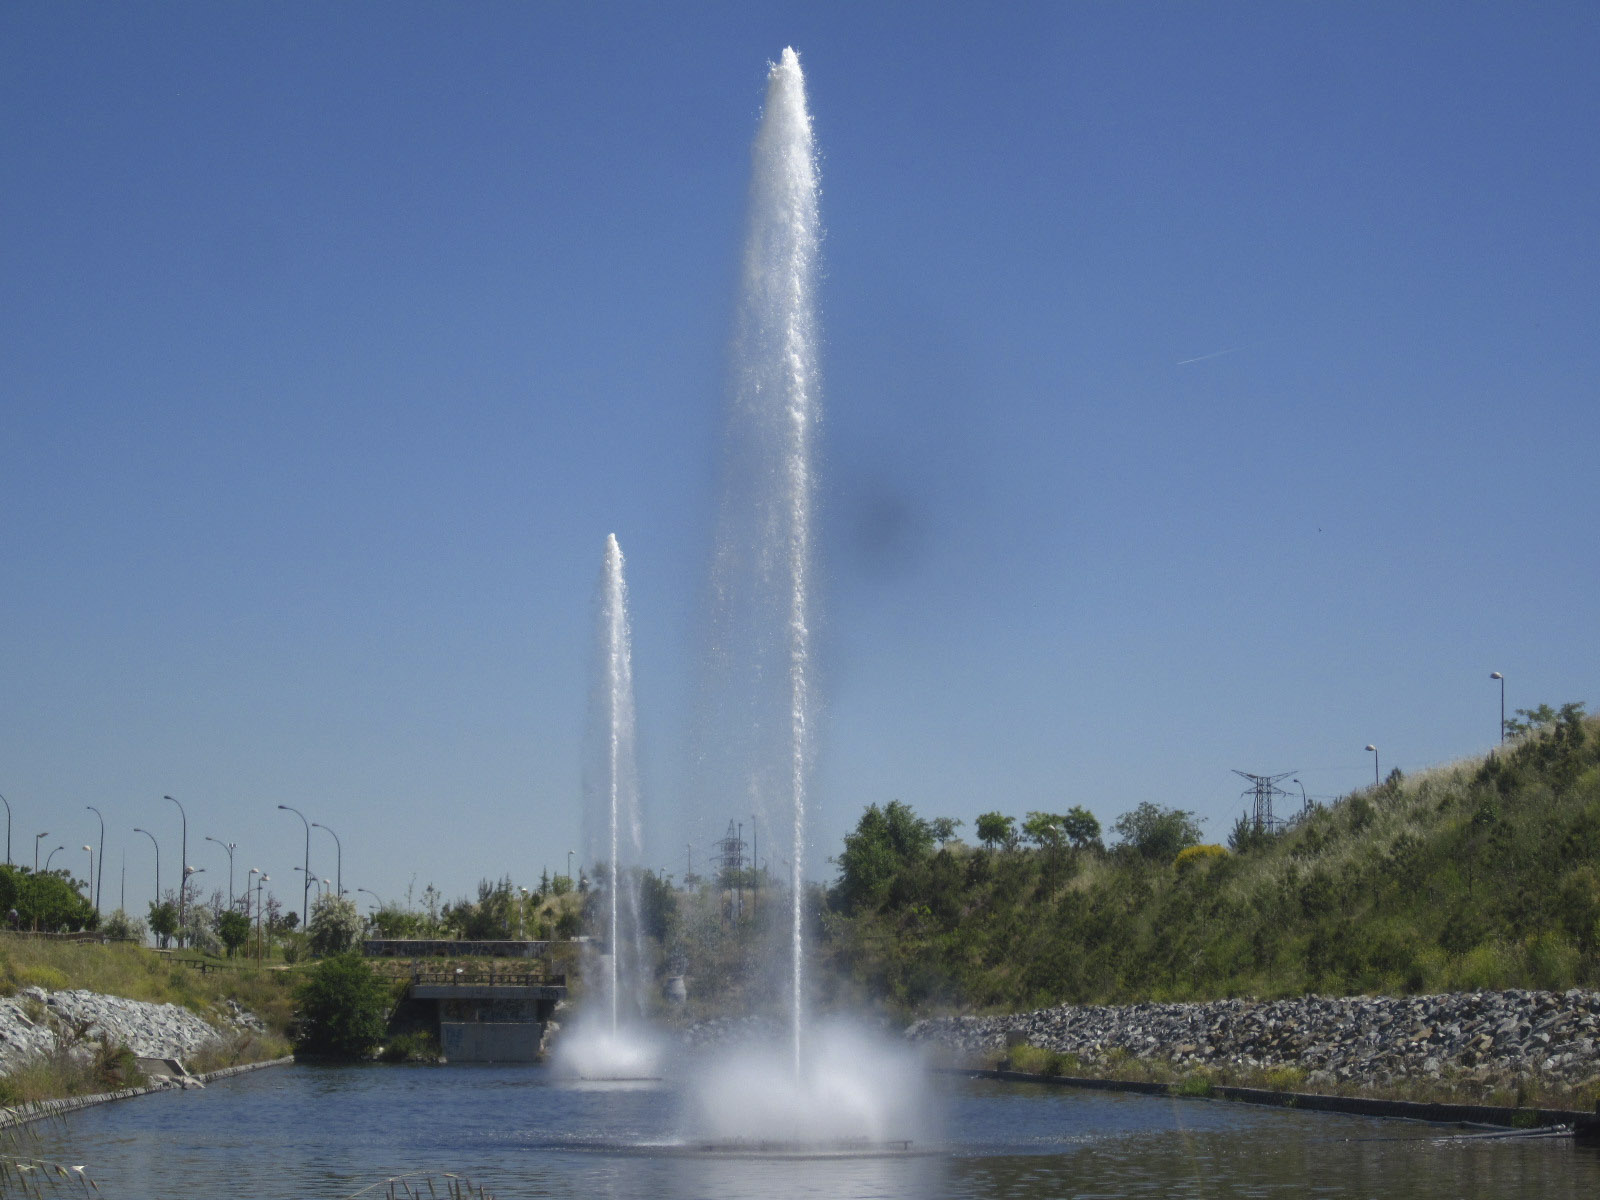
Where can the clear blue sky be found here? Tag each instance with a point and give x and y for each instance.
(1207, 386)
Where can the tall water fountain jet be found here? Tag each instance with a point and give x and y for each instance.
(832, 1089)
(622, 784)
(761, 577)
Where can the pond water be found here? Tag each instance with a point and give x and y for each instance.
(326, 1132)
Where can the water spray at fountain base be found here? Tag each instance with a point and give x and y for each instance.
(855, 1093)
(594, 1051)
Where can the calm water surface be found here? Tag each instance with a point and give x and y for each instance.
(304, 1131)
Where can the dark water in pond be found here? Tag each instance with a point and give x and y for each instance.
(327, 1132)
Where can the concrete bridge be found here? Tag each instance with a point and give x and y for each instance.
(484, 1014)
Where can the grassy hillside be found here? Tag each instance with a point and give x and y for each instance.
(1483, 874)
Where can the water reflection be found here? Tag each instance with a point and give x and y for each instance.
(302, 1131)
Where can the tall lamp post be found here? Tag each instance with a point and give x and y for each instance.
(374, 895)
(183, 872)
(8, 829)
(259, 882)
(89, 883)
(338, 863)
(100, 857)
(1374, 750)
(1305, 805)
(1502, 679)
(157, 845)
(229, 847)
(305, 891)
(37, 838)
(51, 855)
(569, 862)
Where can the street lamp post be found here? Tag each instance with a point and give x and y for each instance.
(259, 882)
(183, 873)
(1305, 805)
(1502, 679)
(99, 858)
(8, 829)
(305, 891)
(338, 862)
(229, 847)
(569, 865)
(51, 855)
(310, 879)
(373, 894)
(1374, 750)
(37, 838)
(90, 881)
(157, 845)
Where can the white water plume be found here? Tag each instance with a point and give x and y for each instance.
(759, 735)
(616, 827)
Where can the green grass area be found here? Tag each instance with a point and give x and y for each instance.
(1508, 1089)
(137, 973)
(1484, 874)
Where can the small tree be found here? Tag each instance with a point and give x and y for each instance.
(997, 829)
(1247, 835)
(1081, 827)
(340, 1009)
(45, 900)
(1153, 832)
(885, 842)
(944, 829)
(336, 925)
(163, 921)
(233, 927)
(120, 926)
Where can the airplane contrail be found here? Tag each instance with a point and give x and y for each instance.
(1213, 354)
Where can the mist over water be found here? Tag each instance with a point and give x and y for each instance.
(853, 1088)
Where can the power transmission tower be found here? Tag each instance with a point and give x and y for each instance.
(729, 859)
(1264, 789)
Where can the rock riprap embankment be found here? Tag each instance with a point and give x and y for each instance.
(1361, 1039)
(33, 1021)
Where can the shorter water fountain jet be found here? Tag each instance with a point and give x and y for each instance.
(603, 1045)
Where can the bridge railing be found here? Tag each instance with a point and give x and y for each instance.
(463, 978)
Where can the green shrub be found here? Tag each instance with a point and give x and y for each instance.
(50, 979)
(1191, 857)
(340, 1009)
(417, 1046)
(1488, 967)
(1553, 962)
(1283, 1079)
(1198, 1084)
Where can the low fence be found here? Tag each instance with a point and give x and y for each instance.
(453, 948)
(81, 935)
(491, 978)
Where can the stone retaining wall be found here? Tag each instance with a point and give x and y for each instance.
(1361, 1039)
(29, 1022)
